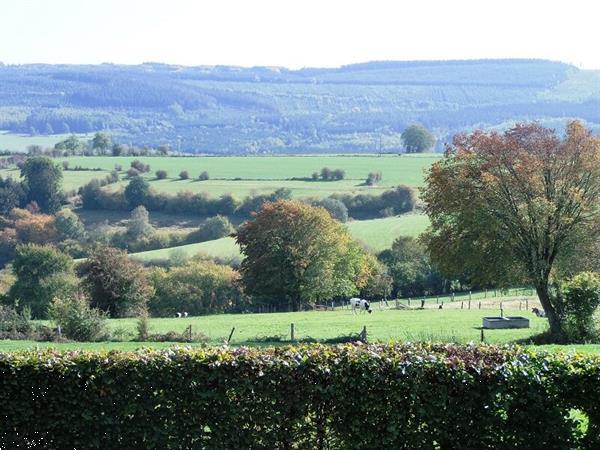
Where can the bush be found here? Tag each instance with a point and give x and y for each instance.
(12, 321)
(213, 228)
(581, 297)
(373, 178)
(42, 273)
(335, 208)
(77, 320)
(198, 287)
(350, 396)
(203, 176)
(184, 175)
(161, 174)
(115, 283)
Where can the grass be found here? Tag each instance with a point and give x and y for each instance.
(248, 175)
(377, 234)
(429, 324)
(220, 248)
(20, 142)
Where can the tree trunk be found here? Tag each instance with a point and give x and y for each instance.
(554, 320)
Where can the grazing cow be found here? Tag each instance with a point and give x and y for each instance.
(538, 312)
(360, 305)
(178, 314)
(185, 314)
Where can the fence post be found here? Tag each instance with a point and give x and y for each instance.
(462, 304)
(469, 303)
(363, 334)
(422, 304)
(479, 305)
(526, 304)
(292, 332)
(482, 336)
(230, 334)
(501, 310)
(408, 301)
(485, 296)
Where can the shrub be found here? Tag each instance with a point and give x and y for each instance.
(335, 208)
(373, 178)
(161, 174)
(203, 176)
(133, 172)
(12, 321)
(184, 175)
(140, 166)
(115, 283)
(581, 297)
(42, 273)
(78, 321)
(198, 287)
(213, 228)
(411, 397)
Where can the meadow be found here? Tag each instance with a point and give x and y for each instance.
(20, 142)
(447, 325)
(376, 234)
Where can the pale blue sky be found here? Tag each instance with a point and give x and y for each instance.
(295, 33)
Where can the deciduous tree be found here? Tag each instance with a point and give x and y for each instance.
(297, 254)
(507, 207)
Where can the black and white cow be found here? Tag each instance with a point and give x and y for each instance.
(360, 305)
(538, 312)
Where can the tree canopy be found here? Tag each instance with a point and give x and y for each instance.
(508, 207)
(297, 254)
(417, 139)
(43, 181)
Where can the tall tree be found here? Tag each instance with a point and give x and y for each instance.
(101, 143)
(115, 283)
(298, 254)
(43, 181)
(42, 273)
(506, 207)
(137, 192)
(417, 139)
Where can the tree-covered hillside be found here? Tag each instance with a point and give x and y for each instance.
(360, 107)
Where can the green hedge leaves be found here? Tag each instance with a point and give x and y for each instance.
(349, 396)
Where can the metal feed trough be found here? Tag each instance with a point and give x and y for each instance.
(505, 322)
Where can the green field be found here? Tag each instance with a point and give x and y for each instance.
(20, 142)
(376, 234)
(219, 248)
(248, 175)
(383, 325)
(379, 234)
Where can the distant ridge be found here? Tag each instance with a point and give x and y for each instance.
(352, 108)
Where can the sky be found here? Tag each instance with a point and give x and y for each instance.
(295, 34)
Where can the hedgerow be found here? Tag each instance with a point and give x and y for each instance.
(351, 396)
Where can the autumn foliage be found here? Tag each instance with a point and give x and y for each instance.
(509, 207)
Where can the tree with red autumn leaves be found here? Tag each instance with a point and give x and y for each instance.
(510, 207)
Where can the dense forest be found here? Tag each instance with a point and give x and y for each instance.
(354, 108)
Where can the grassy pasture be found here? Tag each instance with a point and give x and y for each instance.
(387, 325)
(377, 234)
(20, 142)
(248, 175)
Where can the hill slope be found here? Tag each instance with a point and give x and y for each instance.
(360, 107)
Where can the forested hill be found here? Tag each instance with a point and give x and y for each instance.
(355, 108)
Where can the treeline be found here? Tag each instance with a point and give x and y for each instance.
(138, 192)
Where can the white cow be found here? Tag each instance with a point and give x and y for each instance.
(360, 305)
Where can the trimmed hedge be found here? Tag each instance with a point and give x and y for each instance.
(326, 397)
